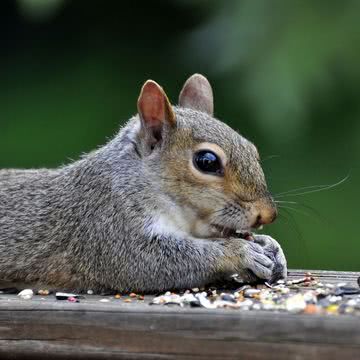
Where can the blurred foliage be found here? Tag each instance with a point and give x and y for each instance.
(284, 73)
(288, 49)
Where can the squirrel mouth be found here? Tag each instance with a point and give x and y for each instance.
(229, 232)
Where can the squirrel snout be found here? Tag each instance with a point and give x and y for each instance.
(265, 216)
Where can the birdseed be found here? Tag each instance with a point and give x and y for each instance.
(300, 296)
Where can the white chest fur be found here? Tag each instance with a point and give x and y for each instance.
(179, 222)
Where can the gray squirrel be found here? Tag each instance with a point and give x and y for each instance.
(164, 205)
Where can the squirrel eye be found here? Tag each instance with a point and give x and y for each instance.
(208, 162)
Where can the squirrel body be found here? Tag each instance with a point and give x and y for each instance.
(140, 213)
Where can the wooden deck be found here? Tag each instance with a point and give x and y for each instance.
(50, 329)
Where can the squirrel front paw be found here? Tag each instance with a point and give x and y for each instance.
(273, 250)
(261, 258)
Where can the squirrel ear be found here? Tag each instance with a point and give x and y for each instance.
(197, 94)
(155, 110)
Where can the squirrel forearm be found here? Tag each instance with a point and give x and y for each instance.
(164, 263)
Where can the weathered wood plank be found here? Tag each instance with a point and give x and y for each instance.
(328, 276)
(56, 329)
(198, 333)
(195, 333)
(43, 350)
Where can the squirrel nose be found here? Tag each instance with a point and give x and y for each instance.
(265, 216)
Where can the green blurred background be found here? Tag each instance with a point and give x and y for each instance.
(286, 74)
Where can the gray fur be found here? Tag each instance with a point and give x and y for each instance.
(85, 225)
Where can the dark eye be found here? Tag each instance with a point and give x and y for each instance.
(208, 162)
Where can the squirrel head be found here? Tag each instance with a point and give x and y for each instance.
(208, 175)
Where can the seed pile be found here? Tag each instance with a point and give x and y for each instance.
(305, 295)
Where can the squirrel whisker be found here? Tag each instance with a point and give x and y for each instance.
(316, 188)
